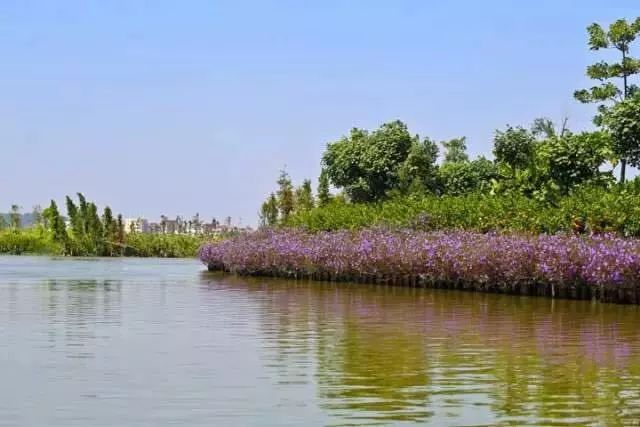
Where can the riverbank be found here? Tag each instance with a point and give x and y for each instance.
(603, 267)
(40, 241)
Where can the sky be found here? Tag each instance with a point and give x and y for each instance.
(166, 107)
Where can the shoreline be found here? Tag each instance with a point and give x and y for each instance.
(619, 295)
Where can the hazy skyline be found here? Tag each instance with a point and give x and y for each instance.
(183, 107)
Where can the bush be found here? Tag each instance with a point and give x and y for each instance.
(31, 241)
(587, 209)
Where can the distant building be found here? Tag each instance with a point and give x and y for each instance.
(136, 225)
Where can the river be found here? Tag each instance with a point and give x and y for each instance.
(147, 342)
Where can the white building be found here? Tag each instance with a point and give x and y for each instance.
(136, 225)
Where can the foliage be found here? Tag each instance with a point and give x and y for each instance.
(162, 245)
(575, 159)
(515, 147)
(36, 240)
(594, 208)
(620, 35)
(15, 216)
(304, 200)
(419, 172)
(455, 150)
(269, 212)
(324, 195)
(622, 121)
(366, 165)
(464, 177)
(286, 201)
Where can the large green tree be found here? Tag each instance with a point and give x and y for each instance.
(419, 172)
(622, 121)
(619, 36)
(515, 147)
(366, 164)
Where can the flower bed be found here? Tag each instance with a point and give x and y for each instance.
(604, 267)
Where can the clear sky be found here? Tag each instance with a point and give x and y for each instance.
(179, 107)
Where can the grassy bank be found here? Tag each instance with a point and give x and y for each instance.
(39, 241)
(603, 267)
(585, 210)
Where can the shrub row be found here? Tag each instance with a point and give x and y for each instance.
(589, 210)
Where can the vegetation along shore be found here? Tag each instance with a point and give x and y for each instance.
(545, 216)
(83, 232)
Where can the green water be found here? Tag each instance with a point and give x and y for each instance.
(143, 342)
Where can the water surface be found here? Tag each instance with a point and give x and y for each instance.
(107, 342)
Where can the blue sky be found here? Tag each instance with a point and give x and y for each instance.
(180, 107)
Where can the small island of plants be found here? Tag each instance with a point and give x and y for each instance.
(544, 216)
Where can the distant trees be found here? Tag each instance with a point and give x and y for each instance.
(36, 215)
(285, 194)
(55, 223)
(324, 195)
(15, 217)
(455, 150)
(269, 211)
(304, 200)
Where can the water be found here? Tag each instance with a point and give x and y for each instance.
(135, 342)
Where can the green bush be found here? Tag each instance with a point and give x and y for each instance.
(588, 209)
(30, 241)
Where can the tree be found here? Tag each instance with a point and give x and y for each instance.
(574, 159)
(366, 165)
(463, 177)
(75, 220)
(419, 172)
(622, 121)
(110, 229)
(269, 212)
(120, 225)
(543, 127)
(620, 35)
(455, 150)
(56, 224)
(3, 222)
(304, 197)
(15, 217)
(37, 215)
(94, 225)
(83, 212)
(286, 201)
(514, 147)
(324, 196)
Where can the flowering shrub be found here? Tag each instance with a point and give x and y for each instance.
(506, 262)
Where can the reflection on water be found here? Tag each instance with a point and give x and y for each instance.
(150, 342)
